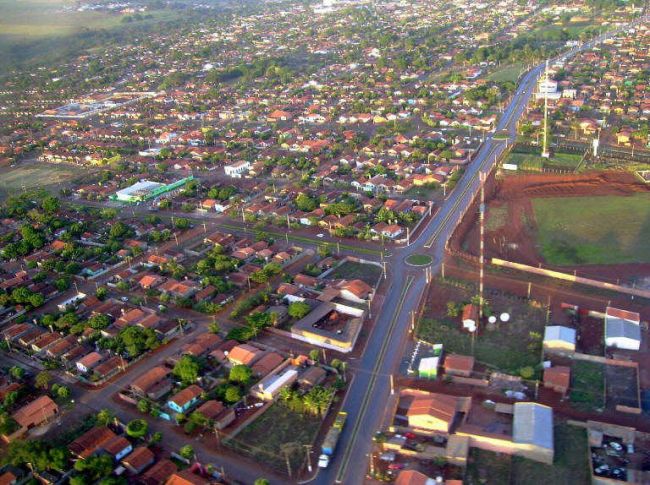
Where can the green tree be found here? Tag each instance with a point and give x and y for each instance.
(186, 452)
(17, 372)
(240, 374)
(156, 438)
(298, 309)
(262, 481)
(144, 406)
(8, 425)
(232, 395)
(187, 369)
(105, 417)
(137, 428)
(95, 467)
(42, 380)
(314, 355)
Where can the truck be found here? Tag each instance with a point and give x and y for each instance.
(331, 439)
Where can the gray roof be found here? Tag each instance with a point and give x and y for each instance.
(617, 327)
(533, 424)
(558, 332)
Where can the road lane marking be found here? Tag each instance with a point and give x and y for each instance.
(373, 379)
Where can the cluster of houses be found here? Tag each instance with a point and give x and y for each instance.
(75, 351)
(271, 371)
(601, 93)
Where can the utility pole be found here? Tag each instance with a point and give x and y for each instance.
(482, 248)
(286, 456)
(308, 451)
(392, 385)
(545, 153)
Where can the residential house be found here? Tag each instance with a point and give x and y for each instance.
(183, 400)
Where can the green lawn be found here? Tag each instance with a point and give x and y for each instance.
(419, 259)
(352, 270)
(276, 430)
(37, 175)
(507, 73)
(507, 348)
(496, 218)
(43, 29)
(587, 385)
(570, 466)
(563, 161)
(593, 230)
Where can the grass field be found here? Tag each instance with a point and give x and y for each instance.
(570, 466)
(29, 19)
(419, 259)
(533, 162)
(507, 348)
(38, 175)
(587, 385)
(506, 73)
(278, 429)
(593, 230)
(351, 270)
(36, 29)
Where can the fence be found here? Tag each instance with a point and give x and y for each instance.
(571, 278)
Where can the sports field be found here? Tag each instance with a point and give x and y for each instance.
(593, 230)
(36, 175)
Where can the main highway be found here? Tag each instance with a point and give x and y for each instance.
(366, 399)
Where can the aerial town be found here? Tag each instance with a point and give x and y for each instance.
(324, 242)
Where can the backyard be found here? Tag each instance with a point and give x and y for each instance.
(508, 347)
(278, 431)
(571, 465)
(587, 386)
(351, 270)
(593, 230)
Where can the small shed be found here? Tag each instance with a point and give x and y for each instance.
(557, 337)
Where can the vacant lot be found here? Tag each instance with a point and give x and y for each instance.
(38, 28)
(621, 385)
(507, 347)
(570, 467)
(533, 162)
(507, 73)
(351, 270)
(593, 230)
(587, 385)
(277, 430)
(36, 175)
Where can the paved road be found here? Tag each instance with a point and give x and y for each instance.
(368, 393)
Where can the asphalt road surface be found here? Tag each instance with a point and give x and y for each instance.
(366, 399)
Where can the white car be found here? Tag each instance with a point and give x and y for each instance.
(320, 235)
(323, 461)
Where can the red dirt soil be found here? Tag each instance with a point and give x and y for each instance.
(515, 240)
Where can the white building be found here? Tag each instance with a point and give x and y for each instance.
(622, 329)
(236, 169)
(557, 337)
(548, 88)
(269, 387)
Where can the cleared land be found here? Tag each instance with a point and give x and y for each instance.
(533, 162)
(37, 175)
(594, 230)
(277, 430)
(351, 270)
(587, 385)
(596, 223)
(507, 74)
(508, 347)
(34, 29)
(571, 465)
